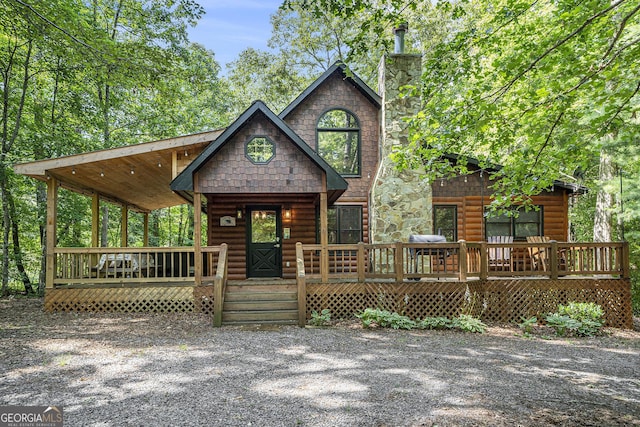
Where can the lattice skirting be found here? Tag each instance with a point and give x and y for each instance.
(495, 300)
(131, 300)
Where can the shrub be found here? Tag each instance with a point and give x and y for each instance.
(322, 319)
(468, 323)
(528, 324)
(385, 319)
(435, 323)
(577, 318)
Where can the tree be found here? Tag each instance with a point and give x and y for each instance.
(85, 75)
(535, 86)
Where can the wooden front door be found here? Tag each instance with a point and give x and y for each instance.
(264, 245)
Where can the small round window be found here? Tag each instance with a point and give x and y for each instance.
(260, 150)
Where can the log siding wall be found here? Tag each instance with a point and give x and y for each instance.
(471, 196)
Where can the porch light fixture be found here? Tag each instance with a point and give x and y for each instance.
(442, 183)
(186, 153)
(73, 171)
(132, 171)
(102, 173)
(465, 178)
(287, 213)
(159, 164)
(239, 213)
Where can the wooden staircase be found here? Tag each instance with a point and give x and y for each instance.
(260, 301)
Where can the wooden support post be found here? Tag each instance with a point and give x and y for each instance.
(95, 226)
(553, 259)
(484, 261)
(398, 259)
(95, 220)
(197, 237)
(52, 219)
(324, 238)
(124, 227)
(361, 263)
(462, 260)
(219, 285)
(145, 235)
(624, 260)
(301, 281)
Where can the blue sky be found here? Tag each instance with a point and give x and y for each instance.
(230, 26)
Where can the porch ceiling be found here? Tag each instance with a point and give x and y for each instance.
(109, 172)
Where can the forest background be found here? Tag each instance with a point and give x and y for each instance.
(548, 89)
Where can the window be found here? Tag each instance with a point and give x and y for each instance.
(260, 150)
(520, 226)
(344, 224)
(445, 221)
(339, 141)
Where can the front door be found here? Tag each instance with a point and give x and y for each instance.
(264, 248)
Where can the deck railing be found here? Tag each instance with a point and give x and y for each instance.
(132, 265)
(460, 260)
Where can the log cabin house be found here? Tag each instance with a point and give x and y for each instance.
(305, 211)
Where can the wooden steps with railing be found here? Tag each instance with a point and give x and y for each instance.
(260, 302)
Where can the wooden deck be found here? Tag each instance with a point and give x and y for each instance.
(419, 280)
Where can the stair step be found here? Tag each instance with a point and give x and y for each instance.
(268, 305)
(260, 296)
(254, 287)
(259, 316)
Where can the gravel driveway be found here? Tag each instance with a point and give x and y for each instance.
(169, 370)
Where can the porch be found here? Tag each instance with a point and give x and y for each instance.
(419, 280)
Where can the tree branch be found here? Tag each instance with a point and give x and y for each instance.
(620, 108)
(53, 24)
(548, 139)
(623, 24)
(504, 89)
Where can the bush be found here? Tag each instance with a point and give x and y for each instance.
(468, 323)
(528, 324)
(322, 319)
(385, 319)
(577, 318)
(435, 323)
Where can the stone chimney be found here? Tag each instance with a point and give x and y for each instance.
(400, 202)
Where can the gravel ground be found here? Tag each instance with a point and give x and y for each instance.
(175, 369)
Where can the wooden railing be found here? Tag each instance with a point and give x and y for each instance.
(460, 260)
(219, 282)
(132, 265)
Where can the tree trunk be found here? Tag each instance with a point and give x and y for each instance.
(6, 225)
(41, 203)
(17, 251)
(602, 225)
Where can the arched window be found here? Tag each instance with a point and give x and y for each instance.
(339, 141)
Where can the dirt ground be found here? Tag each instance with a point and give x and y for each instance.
(175, 369)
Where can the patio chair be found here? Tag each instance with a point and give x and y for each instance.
(500, 257)
(538, 254)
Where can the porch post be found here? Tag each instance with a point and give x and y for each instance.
(95, 220)
(52, 219)
(124, 225)
(197, 237)
(324, 238)
(462, 260)
(145, 236)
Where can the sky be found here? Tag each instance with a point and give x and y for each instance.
(230, 26)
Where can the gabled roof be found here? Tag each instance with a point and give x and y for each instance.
(336, 184)
(134, 175)
(338, 67)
